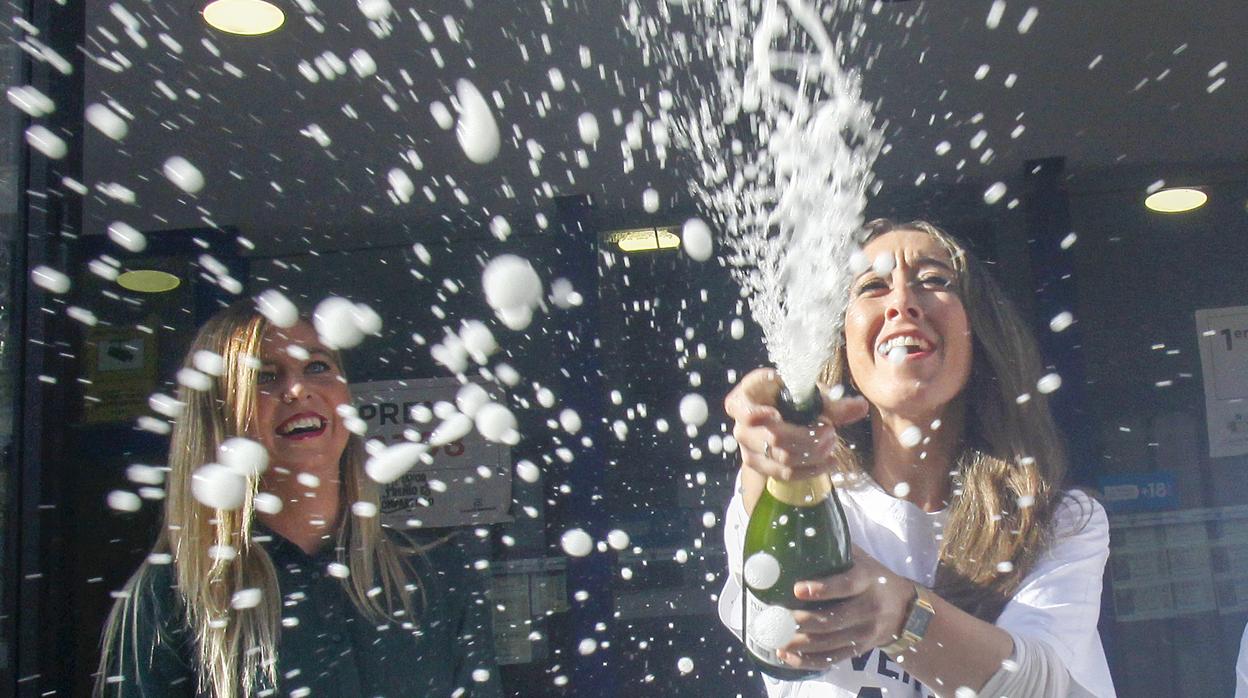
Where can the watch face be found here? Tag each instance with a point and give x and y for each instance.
(918, 621)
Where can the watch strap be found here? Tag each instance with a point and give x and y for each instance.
(915, 628)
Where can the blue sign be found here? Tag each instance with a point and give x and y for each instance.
(1128, 492)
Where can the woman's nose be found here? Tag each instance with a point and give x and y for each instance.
(902, 303)
(294, 391)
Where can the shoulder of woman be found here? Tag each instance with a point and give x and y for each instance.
(436, 556)
(1078, 514)
(154, 588)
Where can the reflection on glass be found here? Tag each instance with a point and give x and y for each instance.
(389, 153)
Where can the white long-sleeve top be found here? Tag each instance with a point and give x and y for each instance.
(1057, 604)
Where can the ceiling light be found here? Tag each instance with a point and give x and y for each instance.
(148, 281)
(246, 17)
(1176, 200)
(644, 239)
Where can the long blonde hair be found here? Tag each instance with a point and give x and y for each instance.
(1008, 476)
(236, 649)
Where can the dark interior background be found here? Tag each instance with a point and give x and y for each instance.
(1113, 96)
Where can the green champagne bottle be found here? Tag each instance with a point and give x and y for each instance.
(801, 526)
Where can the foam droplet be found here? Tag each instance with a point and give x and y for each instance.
(576, 542)
(246, 598)
(884, 264)
(500, 228)
(126, 237)
(774, 627)
(587, 128)
(693, 409)
(994, 193)
(218, 487)
(650, 200)
(897, 355)
(122, 500)
(761, 571)
(266, 503)
(617, 539)
(106, 121)
(335, 323)
(338, 570)
(277, 309)
(401, 185)
(910, 436)
(511, 283)
(528, 472)
(1061, 321)
(375, 9)
(49, 279)
(183, 174)
(496, 423)
(696, 239)
(51, 145)
(570, 421)
(1048, 383)
(246, 457)
(362, 63)
(393, 462)
(476, 131)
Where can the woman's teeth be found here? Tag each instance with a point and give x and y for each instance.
(888, 347)
(304, 423)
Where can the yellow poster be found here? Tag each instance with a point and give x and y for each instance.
(119, 365)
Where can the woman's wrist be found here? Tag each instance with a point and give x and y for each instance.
(918, 615)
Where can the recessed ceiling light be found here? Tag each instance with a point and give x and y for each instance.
(246, 17)
(644, 239)
(1176, 200)
(148, 281)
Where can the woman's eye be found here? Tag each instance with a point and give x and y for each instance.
(872, 285)
(318, 367)
(935, 280)
(266, 377)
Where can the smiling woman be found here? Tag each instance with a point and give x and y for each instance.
(973, 569)
(269, 575)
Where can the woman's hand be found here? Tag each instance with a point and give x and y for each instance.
(872, 607)
(774, 448)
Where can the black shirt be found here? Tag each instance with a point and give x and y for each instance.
(325, 644)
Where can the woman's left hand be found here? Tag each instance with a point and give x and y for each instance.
(872, 604)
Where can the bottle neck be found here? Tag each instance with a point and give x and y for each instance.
(801, 493)
(803, 408)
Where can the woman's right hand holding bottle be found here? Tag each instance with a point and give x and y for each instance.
(771, 447)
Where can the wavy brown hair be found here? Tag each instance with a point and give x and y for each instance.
(1008, 475)
(235, 650)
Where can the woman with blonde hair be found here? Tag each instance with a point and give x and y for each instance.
(972, 568)
(272, 574)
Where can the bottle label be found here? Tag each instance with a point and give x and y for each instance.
(754, 607)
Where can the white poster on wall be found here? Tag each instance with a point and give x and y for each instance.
(476, 472)
(1224, 363)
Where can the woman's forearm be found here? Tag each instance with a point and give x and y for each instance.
(957, 650)
(752, 484)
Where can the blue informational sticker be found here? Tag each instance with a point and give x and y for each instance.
(1127, 492)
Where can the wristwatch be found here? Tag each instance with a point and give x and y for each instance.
(921, 613)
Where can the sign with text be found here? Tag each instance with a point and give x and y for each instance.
(468, 481)
(1223, 335)
(1138, 492)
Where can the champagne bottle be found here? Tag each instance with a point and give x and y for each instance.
(801, 526)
